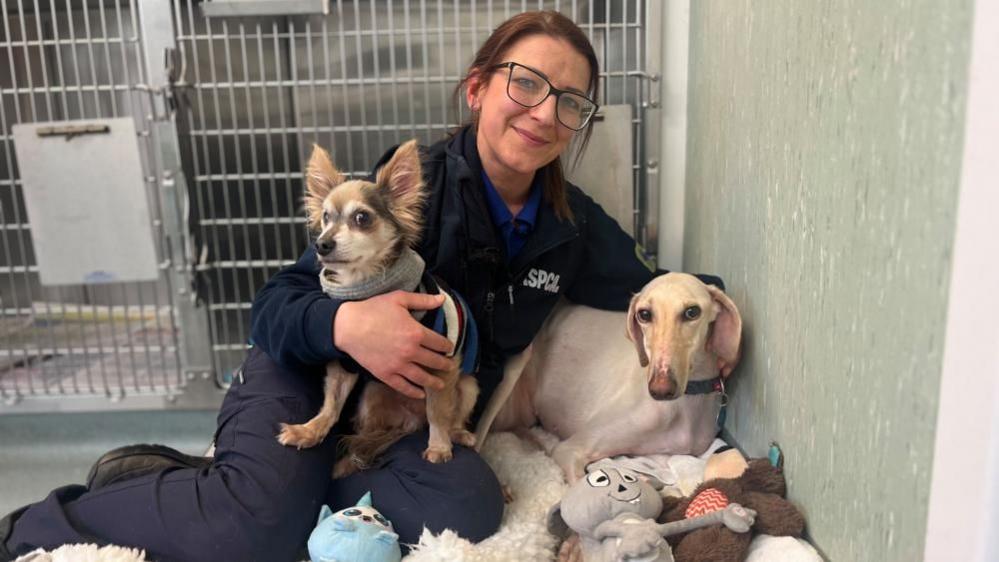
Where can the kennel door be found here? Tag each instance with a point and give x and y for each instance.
(86, 201)
(605, 171)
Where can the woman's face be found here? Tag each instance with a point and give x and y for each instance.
(514, 141)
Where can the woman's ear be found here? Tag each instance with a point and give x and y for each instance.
(474, 89)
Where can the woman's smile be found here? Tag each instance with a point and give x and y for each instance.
(529, 138)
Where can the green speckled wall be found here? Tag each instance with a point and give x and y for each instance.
(824, 154)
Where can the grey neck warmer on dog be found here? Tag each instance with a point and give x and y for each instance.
(404, 275)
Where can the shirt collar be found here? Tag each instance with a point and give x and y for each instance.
(501, 213)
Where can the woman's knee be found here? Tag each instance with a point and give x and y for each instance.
(253, 467)
(474, 511)
(479, 508)
(462, 495)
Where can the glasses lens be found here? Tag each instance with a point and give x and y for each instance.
(574, 111)
(527, 87)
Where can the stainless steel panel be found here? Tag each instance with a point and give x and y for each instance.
(86, 201)
(70, 60)
(608, 178)
(222, 8)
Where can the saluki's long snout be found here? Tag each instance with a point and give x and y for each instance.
(663, 384)
(670, 367)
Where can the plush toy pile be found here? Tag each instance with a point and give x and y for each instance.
(756, 485)
(615, 510)
(621, 516)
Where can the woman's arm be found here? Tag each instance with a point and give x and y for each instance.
(292, 319)
(614, 268)
(298, 325)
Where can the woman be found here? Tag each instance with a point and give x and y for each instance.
(503, 228)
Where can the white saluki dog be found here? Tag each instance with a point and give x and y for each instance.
(602, 397)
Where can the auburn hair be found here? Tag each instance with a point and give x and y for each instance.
(552, 24)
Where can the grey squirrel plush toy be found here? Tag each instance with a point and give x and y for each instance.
(614, 511)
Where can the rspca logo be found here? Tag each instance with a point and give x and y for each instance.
(541, 279)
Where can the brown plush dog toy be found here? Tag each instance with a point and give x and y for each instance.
(728, 478)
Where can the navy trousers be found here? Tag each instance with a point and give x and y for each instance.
(260, 500)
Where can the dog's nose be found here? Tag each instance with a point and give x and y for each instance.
(325, 246)
(662, 385)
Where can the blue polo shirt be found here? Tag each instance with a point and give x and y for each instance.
(515, 229)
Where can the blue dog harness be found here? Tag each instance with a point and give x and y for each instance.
(454, 321)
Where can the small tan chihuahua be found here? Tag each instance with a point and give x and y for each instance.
(365, 233)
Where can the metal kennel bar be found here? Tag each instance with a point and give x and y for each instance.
(261, 90)
(226, 108)
(85, 346)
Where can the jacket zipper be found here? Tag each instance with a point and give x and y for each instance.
(513, 309)
(490, 297)
(490, 304)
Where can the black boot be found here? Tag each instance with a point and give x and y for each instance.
(133, 461)
(6, 528)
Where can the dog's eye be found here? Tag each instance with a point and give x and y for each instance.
(326, 217)
(644, 315)
(628, 478)
(598, 479)
(362, 218)
(692, 313)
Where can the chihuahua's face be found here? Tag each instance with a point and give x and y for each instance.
(362, 227)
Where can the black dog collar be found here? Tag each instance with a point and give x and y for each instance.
(711, 386)
(706, 387)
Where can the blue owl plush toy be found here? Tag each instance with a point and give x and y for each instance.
(355, 534)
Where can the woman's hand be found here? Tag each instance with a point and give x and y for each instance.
(384, 338)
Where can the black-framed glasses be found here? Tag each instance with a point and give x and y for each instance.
(530, 88)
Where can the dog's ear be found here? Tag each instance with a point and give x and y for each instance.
(402, 177)
(321, 176)
(635, 333)
(726, 333)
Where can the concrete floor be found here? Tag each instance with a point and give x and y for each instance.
(39, 452)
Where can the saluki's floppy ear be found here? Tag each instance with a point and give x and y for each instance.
(726, 332)
(635, 332)
(402, 176)
(321, 176)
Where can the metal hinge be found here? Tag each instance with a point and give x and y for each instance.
(652, 87)
(70, 131)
